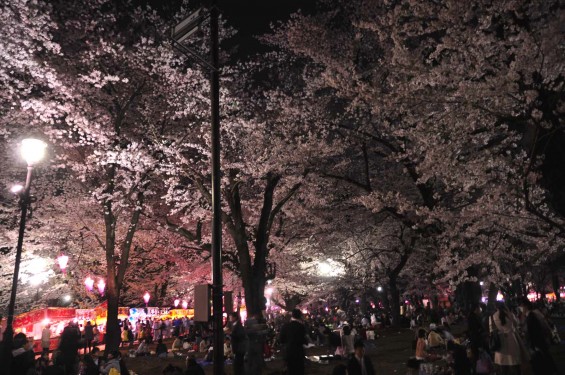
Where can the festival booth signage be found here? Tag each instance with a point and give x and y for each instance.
(31, 323)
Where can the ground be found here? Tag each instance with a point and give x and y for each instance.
(392, 350)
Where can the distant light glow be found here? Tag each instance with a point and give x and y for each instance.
(329, 268)
(379, 289)
(482, 283)
(499, 297)
(146, 297)
(45, 322)
(176, 302)
(37, 279)
(36, 272)
(67, 298)
(184, 305)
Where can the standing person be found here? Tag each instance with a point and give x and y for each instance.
(238, 344)
(95, 336)
(88, 336)
(46, 338)
(538, 336)
(68, 345)
(347, 341)
(507, 359)
(359, 363)
(293, 337)
(476, 331)
(23, 358)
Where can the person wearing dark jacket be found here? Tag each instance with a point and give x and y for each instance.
(238, 344)
(192, 367)
(23, 358)
(293, 337)
(538, 337)
(476, 331)
(88, 336)
(359, 363)
(68, 345)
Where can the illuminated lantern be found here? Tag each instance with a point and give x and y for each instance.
(101, 286)
(146, 298)
(63, 260)
(89, 283)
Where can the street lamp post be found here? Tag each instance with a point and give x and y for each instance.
(179, 33)
(32, 151)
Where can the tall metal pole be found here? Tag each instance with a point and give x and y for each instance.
(9, 332)
(217, 281)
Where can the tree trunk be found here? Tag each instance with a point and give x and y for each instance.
(364, 303)
(555, 285)
(255, 293)
(394, 302)
(112, 337)
(492, 293)
(384, 298)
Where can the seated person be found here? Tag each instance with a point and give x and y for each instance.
(161, 349)
(142, 349)
(447, 335)
(177, 344)
(203, 347)
(227, 348)
(434, 338)
(421, 345)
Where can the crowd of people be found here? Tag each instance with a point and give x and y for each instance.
(524, 334)
(508, 341)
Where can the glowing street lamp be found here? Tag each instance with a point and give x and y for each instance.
(89, 283)
(146, 298)
(32, 151)
(63, 260)
(177, 301)
(184, 305)
(101, 286)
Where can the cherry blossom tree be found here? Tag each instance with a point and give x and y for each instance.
(121, 89)
(442, 93)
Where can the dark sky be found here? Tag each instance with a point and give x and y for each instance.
(253, 17)
(249, 17)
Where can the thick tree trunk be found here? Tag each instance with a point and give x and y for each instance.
(255, 294)
(384, 298)
(394, 302)
(112, 336)
(555, 285)
(492, 293)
